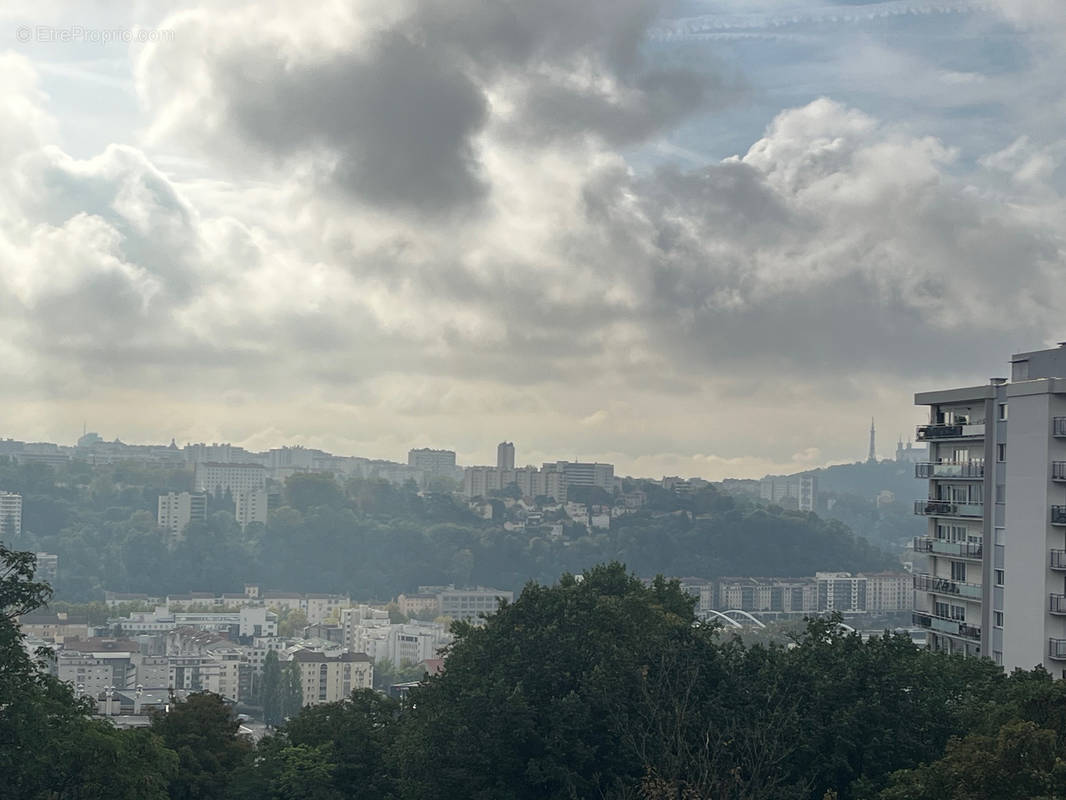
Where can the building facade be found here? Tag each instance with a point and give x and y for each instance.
(331, 678)
(993, 577)
(177, 509)
(250, 506)
(10, 514)
(218, 478)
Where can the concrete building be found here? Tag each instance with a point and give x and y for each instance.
(505, 456)
(798, 491)
(841, 591)
(250, 506)
(54, 626)
(471, 604)
(93, 665)
(888, 592)
(10, 515)
(218, 478)
(331, 678)
(993, 581)
(763, 595)
(47, 567)
(438, 463)
(178, 509)
(419, 604)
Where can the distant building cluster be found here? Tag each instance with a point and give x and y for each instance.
(203, 641)
(865, 593)
(552, 479)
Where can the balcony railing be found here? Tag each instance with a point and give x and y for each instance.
(931, 583)
(948, 508)
(1058, 515)
(1058, 426)
(1057, 604)
(949, 469)
(942, 547)
(1056, 649)
(1058, 470)
(956, 431)
(943, 625)
(1057, 560)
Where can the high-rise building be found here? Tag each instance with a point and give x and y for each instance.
(10, 514)
(799, 489)
(994, 578)
(505, 455)
(250, 506)
(178, 509)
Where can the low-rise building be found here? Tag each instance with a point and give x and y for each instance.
(471, 604)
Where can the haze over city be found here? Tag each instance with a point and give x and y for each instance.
(702, 238)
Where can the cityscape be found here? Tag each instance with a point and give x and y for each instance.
(533, 400)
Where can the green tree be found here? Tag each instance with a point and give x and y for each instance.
(202, 730)
(272, 693)
(292, 692)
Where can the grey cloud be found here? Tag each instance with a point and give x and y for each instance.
(394, 122)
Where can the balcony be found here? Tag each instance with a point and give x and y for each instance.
(1057, 604)
(1057, 560)
(1058, 426)
(928, 433)
(931, 583)
(1058, 470)
(948, 508)
(1058, 515)
(949, 626)
(961, 470)
(942, 547)
(1056, 649)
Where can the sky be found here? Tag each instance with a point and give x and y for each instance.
(702, 238)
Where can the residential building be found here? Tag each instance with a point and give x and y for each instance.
(889, 592)
(218, 478)
(10, 514)
(763, 595)
(439, 463)
(471, 604)
(54, 626)
(505, 456)
(331, 678)
(419, 605)
(178, 509)
(993, 581)
(47, 567)
(91, 666)
(250, 506)
(796, 491)
(841, 591)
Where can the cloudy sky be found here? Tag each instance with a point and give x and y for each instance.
(710, 237)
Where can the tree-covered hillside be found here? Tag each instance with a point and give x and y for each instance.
(374, 540)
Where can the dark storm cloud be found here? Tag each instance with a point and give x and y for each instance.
(394, 120)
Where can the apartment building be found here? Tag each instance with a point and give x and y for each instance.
(330, 678)
(796, 491)
(433, 462)
(219, 478)
(471, 604)
(177, 509)
(10, 514)
(993, 581)
(250, 506)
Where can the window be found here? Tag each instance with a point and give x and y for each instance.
(1002, 410)
(997, 619)
(958, 571)
(999, 577)
(941, 609)
(958, 613)
(1001, 451)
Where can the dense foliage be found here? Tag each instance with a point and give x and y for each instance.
(374, 540)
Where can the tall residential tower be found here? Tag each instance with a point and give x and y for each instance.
(994, 578)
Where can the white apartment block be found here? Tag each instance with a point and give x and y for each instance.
(432, 462)
(218, 478)
(250, 506)
(471, 604)
(10, 514)
(331, 678)
(409, 643)
(993, 581)
(802, 489)
(178, 509)
(551, 480)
